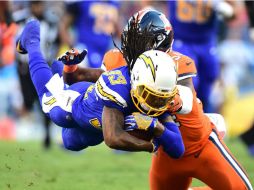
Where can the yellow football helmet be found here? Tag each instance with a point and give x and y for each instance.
(153, 82)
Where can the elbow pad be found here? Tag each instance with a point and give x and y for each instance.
(171, 140)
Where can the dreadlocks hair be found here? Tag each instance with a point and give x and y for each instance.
(134, 42)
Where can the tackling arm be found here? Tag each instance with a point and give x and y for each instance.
(182, 102)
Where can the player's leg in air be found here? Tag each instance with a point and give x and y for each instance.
(41, 74)
(29, 42)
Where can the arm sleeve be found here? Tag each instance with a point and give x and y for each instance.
(187, 98)
(171, 140)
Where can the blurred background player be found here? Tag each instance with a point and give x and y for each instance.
(195, 27)
(248, 136)
(49, 35)
(92, 22)
(250, 10)
(9, 87)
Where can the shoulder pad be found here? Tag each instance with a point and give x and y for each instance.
(113, 59)
(185, 65)
(113, 88)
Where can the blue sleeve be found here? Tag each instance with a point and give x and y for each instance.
(171, 140)
(114, 90)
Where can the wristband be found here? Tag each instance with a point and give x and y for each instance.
(70, 68)
(172, 142)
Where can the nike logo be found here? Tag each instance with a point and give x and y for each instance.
(188, 63)
(18, 47)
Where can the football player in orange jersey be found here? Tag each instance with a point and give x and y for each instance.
(206, 156)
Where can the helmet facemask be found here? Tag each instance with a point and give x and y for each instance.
(151, 102)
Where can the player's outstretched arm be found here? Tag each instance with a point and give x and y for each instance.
(82, 74)
(115, 136)
(72, 73)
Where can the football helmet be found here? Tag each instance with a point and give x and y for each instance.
(153, 82)
(147, 29)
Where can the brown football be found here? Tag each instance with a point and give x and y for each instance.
(141, 134)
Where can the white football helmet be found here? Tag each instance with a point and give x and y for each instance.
(153, 82)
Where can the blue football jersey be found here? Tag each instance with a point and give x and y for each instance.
(193, 20)
(87, 109)
(93, 20)
(113, 90)
(94, 23)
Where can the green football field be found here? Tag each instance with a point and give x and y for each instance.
(27, 166)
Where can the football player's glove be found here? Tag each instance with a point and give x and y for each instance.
(73, 57)
(140, 121)
(176, 104)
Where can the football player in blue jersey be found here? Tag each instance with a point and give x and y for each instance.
(78, 108)
(148, 88)
(93, 23)
(195, 24)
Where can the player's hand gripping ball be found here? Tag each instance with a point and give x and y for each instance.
(140, 125)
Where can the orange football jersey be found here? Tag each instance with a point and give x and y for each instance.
(186, 67)
(113, 59)
(195, 127)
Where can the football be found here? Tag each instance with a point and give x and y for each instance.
(141, 134)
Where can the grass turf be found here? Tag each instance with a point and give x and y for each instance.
(27, 166)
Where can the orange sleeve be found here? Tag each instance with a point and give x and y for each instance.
(113, 59)
(195, 127)
(185, 65)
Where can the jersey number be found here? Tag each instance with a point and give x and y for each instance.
(116, 77)
(89, 90)
(198, 11)
(105, 16)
